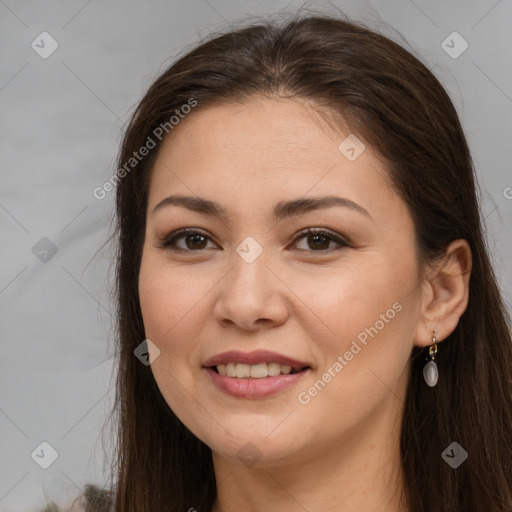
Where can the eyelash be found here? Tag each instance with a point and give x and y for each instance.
(168, 243)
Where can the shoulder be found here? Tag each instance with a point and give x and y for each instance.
(92, 499)
(97, 499)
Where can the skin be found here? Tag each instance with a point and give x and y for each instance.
(342, 447)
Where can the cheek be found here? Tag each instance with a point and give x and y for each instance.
(167, 306)
(169, 303)
(167, 298)
(349, 299)
(366, 324)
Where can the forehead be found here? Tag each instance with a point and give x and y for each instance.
(262, 140)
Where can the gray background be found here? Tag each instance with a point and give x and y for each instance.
(60, 126)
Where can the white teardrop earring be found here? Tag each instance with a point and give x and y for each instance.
(430, 372)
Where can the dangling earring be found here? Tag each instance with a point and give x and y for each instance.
(430, 372)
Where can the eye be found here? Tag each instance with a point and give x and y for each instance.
(194, 240)
(318, 239)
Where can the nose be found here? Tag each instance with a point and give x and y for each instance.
(252, 296)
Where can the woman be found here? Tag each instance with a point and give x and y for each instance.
(308, 318)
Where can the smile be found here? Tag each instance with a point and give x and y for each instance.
(254, 371)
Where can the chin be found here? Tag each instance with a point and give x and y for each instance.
(257, 449)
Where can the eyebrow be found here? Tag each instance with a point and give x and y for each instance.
(282, 209)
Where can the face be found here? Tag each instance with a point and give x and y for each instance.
(342, 300)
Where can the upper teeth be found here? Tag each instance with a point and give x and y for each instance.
(256, 371)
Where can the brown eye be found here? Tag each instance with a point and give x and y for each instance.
(194, 241)
(319, 240)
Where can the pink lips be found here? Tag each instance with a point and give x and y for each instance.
(254, 388)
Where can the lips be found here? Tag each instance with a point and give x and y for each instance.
(253, 358)
(254, 386)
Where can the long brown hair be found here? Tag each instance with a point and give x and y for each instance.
(390, 99)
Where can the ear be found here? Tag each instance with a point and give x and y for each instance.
(445, 294)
